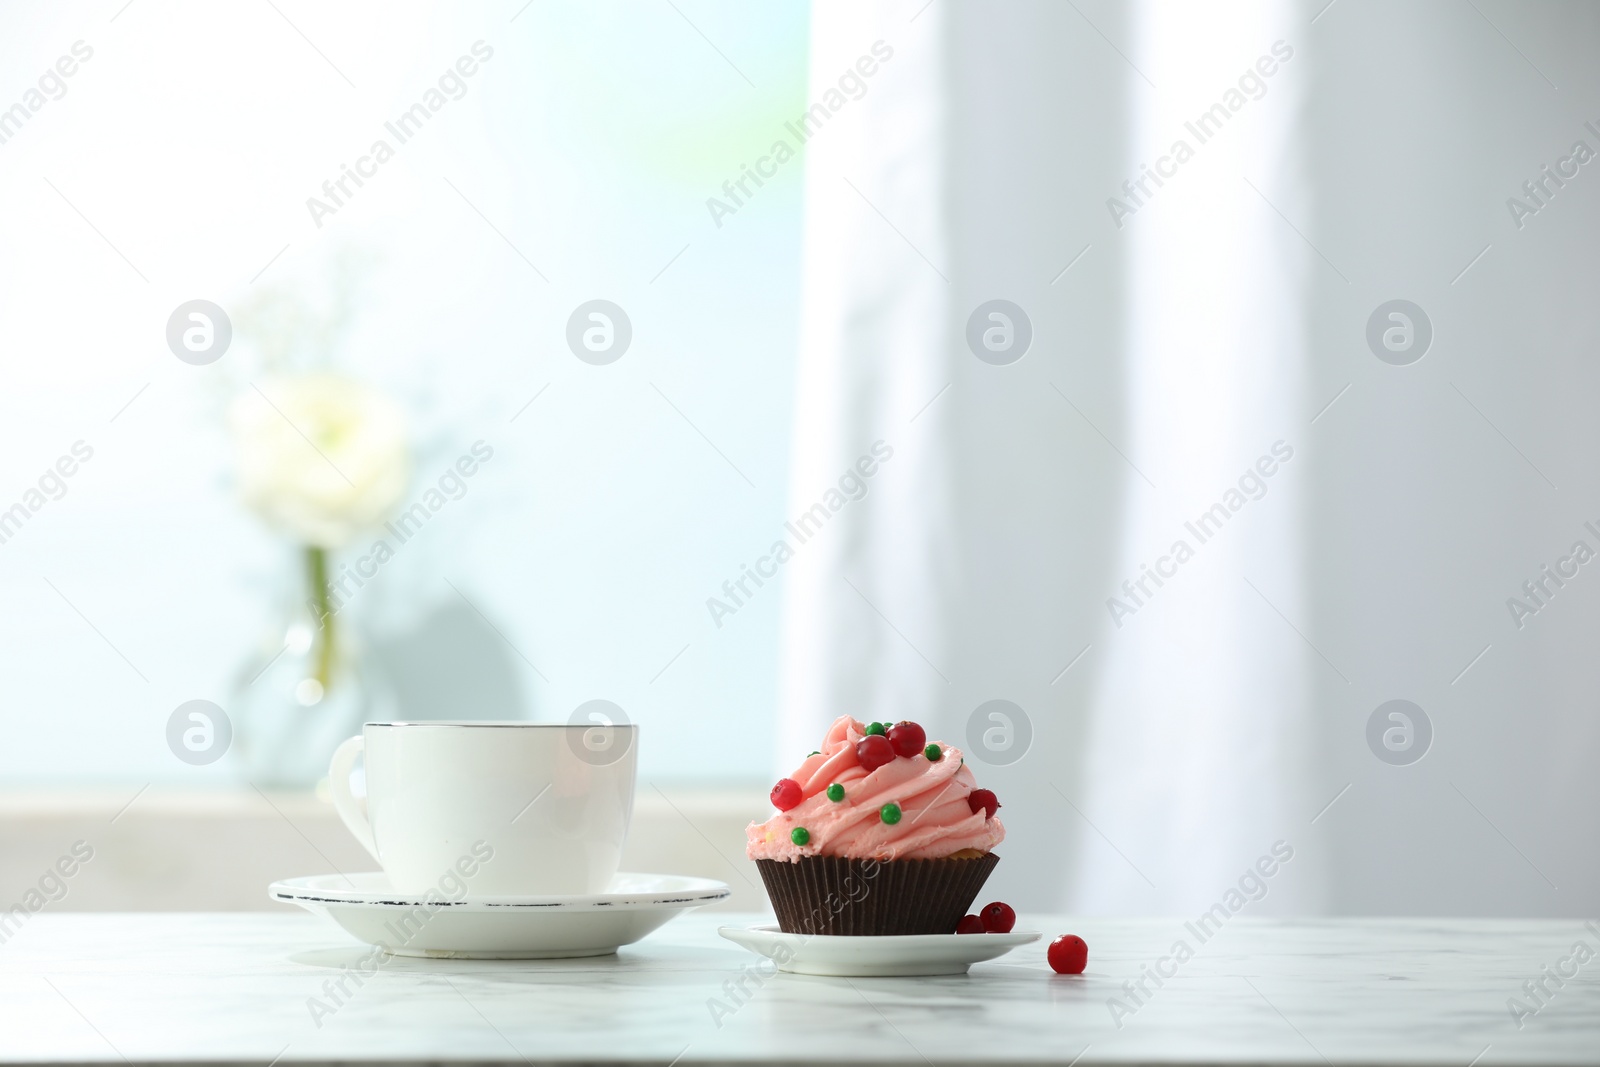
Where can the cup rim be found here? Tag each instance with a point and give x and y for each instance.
(502, 724)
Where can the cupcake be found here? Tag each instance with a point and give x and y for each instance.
(877, 833)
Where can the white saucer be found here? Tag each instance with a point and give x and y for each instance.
(874, 957)
(499, 927)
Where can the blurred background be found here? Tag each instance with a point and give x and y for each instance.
(1227, 374)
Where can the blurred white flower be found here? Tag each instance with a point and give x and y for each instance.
(319, 456)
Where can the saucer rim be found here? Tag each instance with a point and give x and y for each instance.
(1011, 938)
(875, 955)
(697, 892)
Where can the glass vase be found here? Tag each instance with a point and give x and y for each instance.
(306, 687)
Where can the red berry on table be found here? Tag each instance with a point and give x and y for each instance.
(907, 738)
(873, 751)
(786, 794)
(1068, 954)
(998, 918)
(983, 800)
(970, 924)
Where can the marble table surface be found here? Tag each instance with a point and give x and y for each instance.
(236, 988)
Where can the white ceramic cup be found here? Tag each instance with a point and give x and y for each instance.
(552, 801)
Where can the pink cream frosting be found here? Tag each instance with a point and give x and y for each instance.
(936, 819)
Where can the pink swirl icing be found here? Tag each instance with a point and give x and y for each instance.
(936, 819)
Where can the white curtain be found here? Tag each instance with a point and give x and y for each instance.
(1177, 759)
(1199, 757)
(863, 616)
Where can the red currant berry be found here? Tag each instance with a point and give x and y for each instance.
(983, 800)
(1068, 954)
(873, 751)
(907, 738)
(970, 924)
(998, 918)
(786, 794)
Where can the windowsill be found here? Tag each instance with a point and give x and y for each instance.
(172, 850)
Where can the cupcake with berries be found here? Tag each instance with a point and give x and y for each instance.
(878, 833)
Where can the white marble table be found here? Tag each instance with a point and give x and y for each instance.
(191, 988)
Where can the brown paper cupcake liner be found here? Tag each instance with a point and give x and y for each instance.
(865, 898)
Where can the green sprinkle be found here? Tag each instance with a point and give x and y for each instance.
(933, 752)
(836, 792)
(889, 813)
(800, 835)
(810, 754)
(875, 728)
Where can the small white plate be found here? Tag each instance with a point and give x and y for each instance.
(874, 957)
(498, 927)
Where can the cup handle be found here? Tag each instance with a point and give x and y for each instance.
(349, 808)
